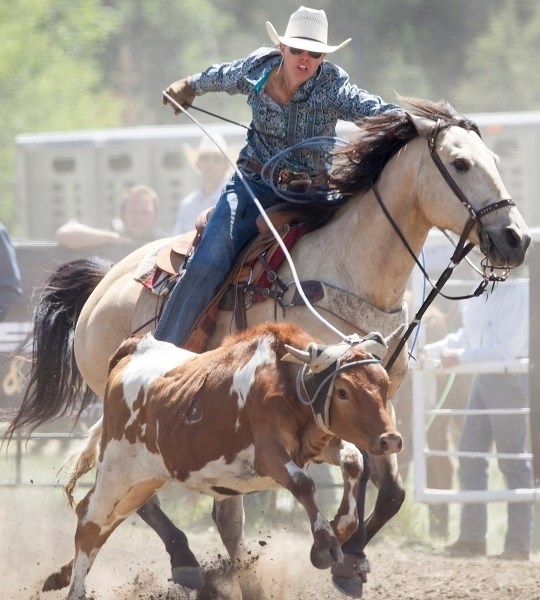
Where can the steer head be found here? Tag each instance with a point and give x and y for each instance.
(347, 390)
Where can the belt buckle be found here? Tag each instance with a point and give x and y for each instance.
(286, 176)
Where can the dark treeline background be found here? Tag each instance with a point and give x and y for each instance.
(79, 64)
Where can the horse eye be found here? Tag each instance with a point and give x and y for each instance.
(461, 165)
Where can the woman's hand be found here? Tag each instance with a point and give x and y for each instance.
(181, 92)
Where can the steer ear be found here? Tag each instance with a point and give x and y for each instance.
(294, 355)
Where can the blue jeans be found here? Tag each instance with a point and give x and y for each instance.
(509, 432)
(230, 228)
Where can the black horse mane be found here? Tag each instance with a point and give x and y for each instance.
(360, 163)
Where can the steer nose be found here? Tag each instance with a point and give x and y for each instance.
(390, 443)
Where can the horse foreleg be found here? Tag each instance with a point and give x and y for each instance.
(390, 494)
(229, 517)
(185, 569)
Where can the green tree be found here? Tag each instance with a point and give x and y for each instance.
(50, 78)
(501, 71)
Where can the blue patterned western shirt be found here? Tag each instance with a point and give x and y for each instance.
(313, 111)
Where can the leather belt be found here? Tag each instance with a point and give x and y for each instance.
(285, 177)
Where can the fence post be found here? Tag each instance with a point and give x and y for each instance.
(534, 356)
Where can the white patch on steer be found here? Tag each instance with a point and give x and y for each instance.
(238, 475)
(152, 359)
(293, 468)
(123, 466)
(345, 520)
(244, 377)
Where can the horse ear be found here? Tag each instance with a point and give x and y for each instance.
(422, 125)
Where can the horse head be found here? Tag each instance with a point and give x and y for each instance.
(465, 166)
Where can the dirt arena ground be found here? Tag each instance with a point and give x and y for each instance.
(37, 531)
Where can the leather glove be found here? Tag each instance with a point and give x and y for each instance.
(182, 92)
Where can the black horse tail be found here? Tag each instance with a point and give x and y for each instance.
(55, 385)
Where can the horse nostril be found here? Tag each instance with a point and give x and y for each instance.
(512, 237)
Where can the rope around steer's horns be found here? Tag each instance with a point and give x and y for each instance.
(319, 358)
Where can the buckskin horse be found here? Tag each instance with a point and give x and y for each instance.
(404, 174)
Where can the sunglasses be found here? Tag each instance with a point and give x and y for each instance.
(298, 52)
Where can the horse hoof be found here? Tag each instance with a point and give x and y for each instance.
(350, 575)
(350, 586)
(190, 577)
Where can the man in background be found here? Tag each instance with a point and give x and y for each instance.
(495, 329)
(136, 226)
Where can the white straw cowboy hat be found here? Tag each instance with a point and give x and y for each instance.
(307, 30)
(206, 146)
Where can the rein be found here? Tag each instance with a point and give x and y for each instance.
(310, 387)
(462, 248)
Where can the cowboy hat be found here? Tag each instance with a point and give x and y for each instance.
(307, 30)
(206, 146)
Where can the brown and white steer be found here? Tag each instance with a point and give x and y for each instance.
(230, 421)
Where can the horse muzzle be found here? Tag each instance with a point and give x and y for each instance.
(506, 247)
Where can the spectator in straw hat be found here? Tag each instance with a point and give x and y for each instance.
(212, 167)
(295, 94)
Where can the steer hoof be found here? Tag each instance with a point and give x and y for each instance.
(324, 558)
(58, 580)
(190, 577)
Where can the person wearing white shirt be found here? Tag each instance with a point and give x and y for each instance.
(496, 328)
(213, 169)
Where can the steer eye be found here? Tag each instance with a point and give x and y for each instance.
(460, 165)
(342, 394)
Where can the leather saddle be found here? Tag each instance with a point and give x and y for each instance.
(251, 277)
(172, 257)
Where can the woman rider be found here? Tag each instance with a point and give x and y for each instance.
(294, 94)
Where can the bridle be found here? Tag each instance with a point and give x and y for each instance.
(475, 216)
(463, 247)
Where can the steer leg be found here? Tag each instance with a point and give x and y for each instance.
(276, 463)
(351, 462)
(105, 506)
(186, 571)
(228, 515)
(349, 576)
